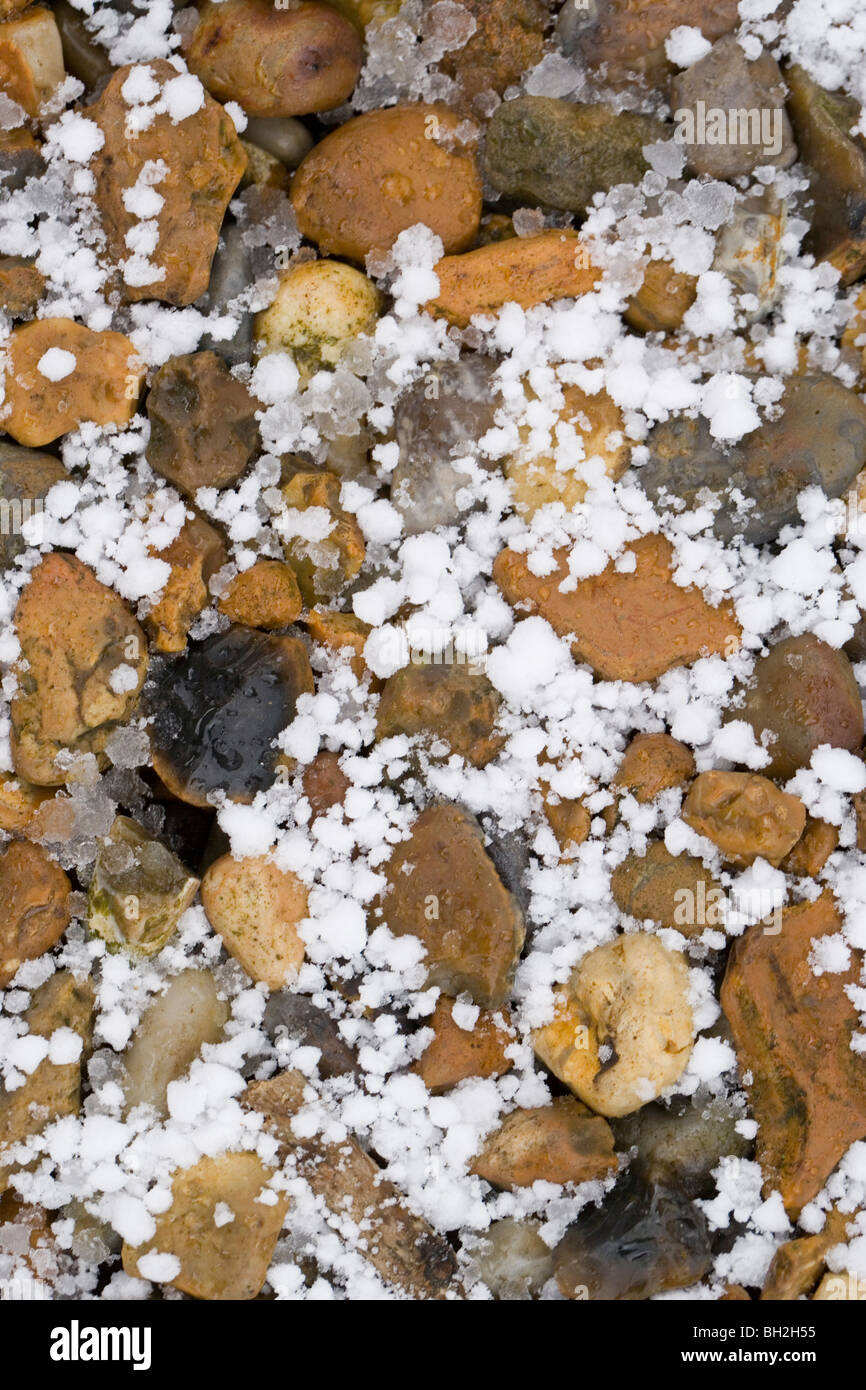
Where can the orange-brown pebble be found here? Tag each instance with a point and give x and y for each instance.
(34, 892)
(21, 286)
(340, 632)
(325, 783)
(521, 270)
(266, 596)
(455, 1053)
(812, 850)
(745, 815)
(654, 763)
(195, 556)
(31, 58)
(558, 1143)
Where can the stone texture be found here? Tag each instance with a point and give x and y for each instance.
(34, 892)
(663, 299)
(822, 123)
(627, 37)
(559, 1143)
(74, 634)
(626, 626)
(745, 815)
(792, 1031)
(797, 1265)
(674, 890)
(521, 270)
(455, 1054)
(598, 425)
(194, 557)
(31, 58)
(681, 1142)
(295, 1016)
(654, 763)
(449, 704)
(203, 430)
(21, 286)
(25, 478)
(256, 908)
(812, 850)
(323, 568)
(325, 783)
(452, 899)
(170, 1036)
(139, 890)
(341, 633)
(265, 596)
(507, 42)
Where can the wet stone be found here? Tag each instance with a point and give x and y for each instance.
(819, 441)
(746, 816)
(231, 273)
(286, 139)
(265, 596)
(34, 892)
(139, 890)
(803, 694)
(560, 153)
(21, 286)
(25, 478)
(645, 1238)
(203, 429)
(675, 891)
(341, 633)
(654, 763)
(218, 709)
(448, 704)
(749, 250)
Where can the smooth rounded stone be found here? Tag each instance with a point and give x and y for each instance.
(218, 1261)
(680, 1144)
(622, 1030)
(325, 783)
(626, 38)
(819, 441)
(218, 709)
(231, 273)
(811, 852)
(203, 428)
(320, 309)
(21, 286)
(323, 568)
(749, 250)
(275, 60)
(559, 1143)
(559, 153)
(31, 58)
(654, 763)
(647, 1237)
(453, 900)
(26, 477)
(139, 890)
(102, 385)
(664, 298)
(19, 801)
(295, 1016)
(34, 892)
(457, 1052)
(507, 41)
(76, 635)
(256, 908)
(204, 163)
(437, 423)
(823, 122)
(630, 625)
(195, 556)
(529, 270)
(83, 56)
(674, 890)
(746, 816)
(287, 139)
(449, 704)
(793, 1032)
(568, 818)
(383, 172)
(802, 694)
(512, 1259)
(265, 596)
(725, 81)
(169, 1037)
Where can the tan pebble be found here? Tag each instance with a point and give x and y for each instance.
(265, 596)
(256, 908)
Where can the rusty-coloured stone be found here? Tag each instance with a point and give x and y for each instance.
(521, 270)
(203, 429)
(265, 596)
(747, 816)
(443, 888)
(568, 818)
(323, 568)
(654, 763)
(674, 890)
(792, 1031)
(450, 704)
(204, 163)
(812, 850)
(341, 632)
(34, 892)
(663, 299)
(325, 783)
(627, 37)
(626, 626)
(74, 634)
(195, 557)
(31, 58)
(456, 1054)
(559, 1143)
(507, 42)
(797, 1265)
(21, 286)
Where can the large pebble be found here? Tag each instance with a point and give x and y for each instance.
(170, 1036)
(559, 153)
(203, 429)
(819, 441)
(443, 888)
(319, 310)
(627, 625)
(446, 703)
(86, 661)
(558, 1143)
(139, 890)
(520, 270)
(34, 892)
(256, 908)
(218, 709)
(382, 172)
(745, 815)
(674, 890)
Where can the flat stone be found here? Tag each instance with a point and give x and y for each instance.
(203, 429)
(265, 596)
(256, 908)
(455, 1054)
(559, 1143)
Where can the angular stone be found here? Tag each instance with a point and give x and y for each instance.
(204, 162)
(295, 1016)
(798, 1264)
(194, 557)
(819, 441)
(812, 850)
(203, 429)
(598, 426)
(342, 633)
(323, 567)
(749, 250)
(674, 890)
(75, 634)
(139, 890)
(217, 1262)
(512, 1259)
(25, 478)
(508, 40)
(568, 818)
(559, 1143)
(218, 710)
(559, 153)
(455, 1054)
(643, 1240)
(745, 815)
(802, 694)
(31, 58)
(265, 596)
(403, 1249)
(20, 158)
(443, 888)
(449, 704)
(169, 1037)
(521, 270)
(627, 626)
(34, 892)
(256, 908)
(653, 763)
(793, 1031)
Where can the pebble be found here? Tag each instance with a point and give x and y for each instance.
(793, 1031)
(288, 140)
(520, 270)
(449, 704)
(560, 153)
(169, 1037)
(21, 286)
(627, 625)
(26, 477)
(83, 56)
(34, 892)
(663, 300)
(750, 250)
(325, 783)
(680, 1144)
(295, 1016)
(513, 1259)
(623, 1030)
(218, 709)
(598, 425)
(797, 1265)
(31, 58)
(568, 818)
(558, 1143)
(256, 908)
(74, 633)
(627, 38)
(819, 441)
(19, 801)
(341, 633)
(811, 852)
(139, 890)
(320, 309)
(746, 816)
(323, 568)
(457, 1053)
(674, 890)
(507, 41)
(203, 428)
(195, 556)
(454, 901)
(383, 172)
(204, 163)
(654, 763)
(20, 158)
(264, 596)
